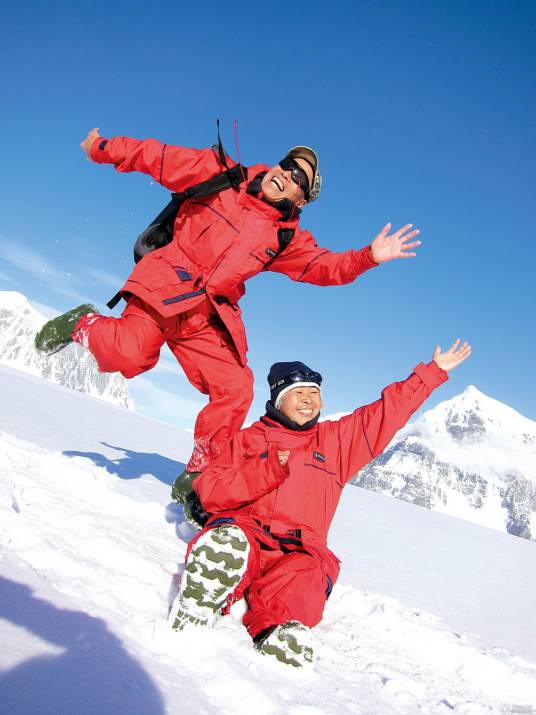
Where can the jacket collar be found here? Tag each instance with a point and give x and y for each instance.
(276, 415)
(274, 432)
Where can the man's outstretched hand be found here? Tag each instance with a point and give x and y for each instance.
(386, 247)
(88, 141)
(453, 357)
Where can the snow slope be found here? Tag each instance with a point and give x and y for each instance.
(90, 551)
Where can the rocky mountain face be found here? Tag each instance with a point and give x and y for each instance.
(471, 457)
(73, 367)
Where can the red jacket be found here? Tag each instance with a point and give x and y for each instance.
(248, 483)
(219, 241)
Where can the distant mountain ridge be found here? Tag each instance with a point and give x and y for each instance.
(471, 457)
(72, 367)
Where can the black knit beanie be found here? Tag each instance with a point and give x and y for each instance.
(278, 379)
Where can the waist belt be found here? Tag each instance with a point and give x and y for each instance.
(293, 538)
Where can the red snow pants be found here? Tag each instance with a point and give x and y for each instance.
(278, 586)
(287, 587)
(131, 345)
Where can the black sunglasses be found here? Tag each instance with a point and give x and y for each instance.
(297, 174)
(298, 376)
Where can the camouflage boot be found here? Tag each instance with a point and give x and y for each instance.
(216, 565)
(290, 643)
(182, 493)
(182, 486)
(57, 333)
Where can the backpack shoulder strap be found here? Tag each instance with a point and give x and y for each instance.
(284, 236)
(230, 178)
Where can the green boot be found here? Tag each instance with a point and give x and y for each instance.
(290, 643)
(182, 486)
(57, 333)
(183, 493)
(217, 562)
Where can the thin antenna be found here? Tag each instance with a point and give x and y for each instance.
(235, 127)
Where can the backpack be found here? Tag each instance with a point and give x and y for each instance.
(160, 231)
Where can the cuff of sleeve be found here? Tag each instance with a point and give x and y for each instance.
(98, 151)
(279, 471)
(431, 374)
(363, 261)
(283, 471)
(368, 256)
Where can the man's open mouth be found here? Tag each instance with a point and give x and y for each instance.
(278, 183)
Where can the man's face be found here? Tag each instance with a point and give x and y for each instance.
(301, 404)
(278, 184)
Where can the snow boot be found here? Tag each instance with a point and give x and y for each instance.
(182, 486)
(182, 493)
(216, 564)
(290, 643)
(58, 332)
(194, 512)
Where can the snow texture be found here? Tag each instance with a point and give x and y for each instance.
(73, 367)
(91, 552)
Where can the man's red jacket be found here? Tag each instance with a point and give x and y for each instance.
(219, 241)
(248, 483)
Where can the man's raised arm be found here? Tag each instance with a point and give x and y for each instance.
(174, 167)
(304, 260)
(366, 432)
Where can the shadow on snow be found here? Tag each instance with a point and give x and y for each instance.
(133, 465)
(94, 675)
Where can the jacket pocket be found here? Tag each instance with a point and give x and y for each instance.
(183, 296)
(325, 470)
(155, 273)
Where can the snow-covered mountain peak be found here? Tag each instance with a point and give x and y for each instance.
(473, 417)
(470, 456)
(73, 367)
(13, 303)
(12, 300)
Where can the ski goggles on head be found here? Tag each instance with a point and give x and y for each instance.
(297, 174)
(298, 376)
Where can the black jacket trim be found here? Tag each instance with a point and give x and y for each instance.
(310, 262)
(322, 469)
(365, 434)
(162, 163)
(183, 296)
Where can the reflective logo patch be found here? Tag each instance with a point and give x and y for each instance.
(319, 457)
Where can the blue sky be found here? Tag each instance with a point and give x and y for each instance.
(421, 112)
